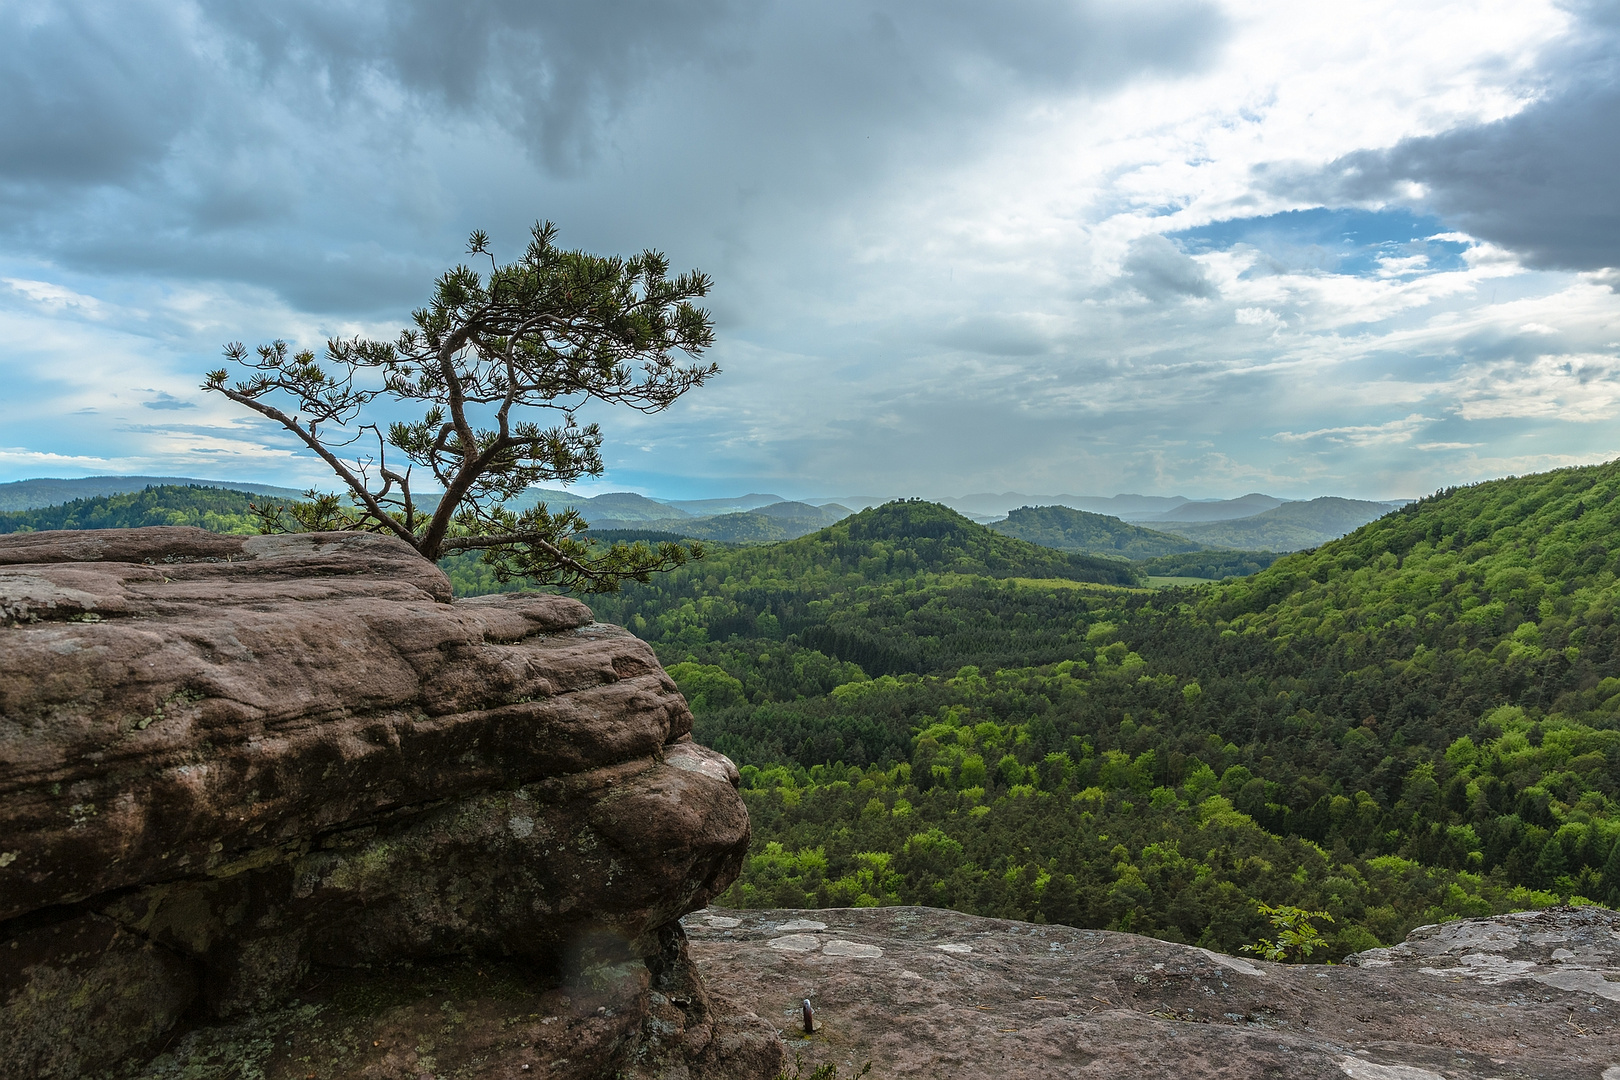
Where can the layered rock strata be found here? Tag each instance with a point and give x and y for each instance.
(232, 768)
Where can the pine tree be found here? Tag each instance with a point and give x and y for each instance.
(1609, 887)
(541, 336)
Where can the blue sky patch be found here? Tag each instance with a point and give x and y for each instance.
(1360, 243)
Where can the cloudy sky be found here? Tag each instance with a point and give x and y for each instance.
(1202, 247)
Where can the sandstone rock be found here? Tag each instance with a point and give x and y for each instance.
(1053, 1001)
(233, 769)
(210, 709)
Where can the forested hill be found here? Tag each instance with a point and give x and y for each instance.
(907, 587)
(216, 509)
(1293, 526)
(1417, 721)
(895, 541)
(1503, 593)
(1065, 529)
(45, 492)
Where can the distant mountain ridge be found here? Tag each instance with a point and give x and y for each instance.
(1293, 526)
(762, 517)
(54, 491)
(777, 521)
(1153, 510)
(1222, 510)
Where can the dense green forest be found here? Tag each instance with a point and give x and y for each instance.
(1065, 529)
(1211, 563)
(212, 508)
(1418, 721)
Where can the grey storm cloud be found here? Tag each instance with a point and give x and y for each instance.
(1161, 271)
(329, 151)
(90, 97)
(1541, 182)
(551, 71)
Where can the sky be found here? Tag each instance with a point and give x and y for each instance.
(1197, 247)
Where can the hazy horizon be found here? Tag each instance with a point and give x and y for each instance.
(593, 488)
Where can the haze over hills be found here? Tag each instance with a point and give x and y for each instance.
(776, 521)
(1222, 510)
(1140, 509)
(1198, 520)
(742, 504)
(1292, 526)
(987, 506)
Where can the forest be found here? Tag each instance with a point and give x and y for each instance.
(212, 508)
(1418, 721)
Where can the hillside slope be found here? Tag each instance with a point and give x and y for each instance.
(1065, 529)
(1292, 526)
(903, 587)
(1243, 506)
(1416, 722)
(215, 509)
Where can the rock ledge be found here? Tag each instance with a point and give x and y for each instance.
(246, 775)
(922, 992)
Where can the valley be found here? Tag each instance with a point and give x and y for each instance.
(1417, 721)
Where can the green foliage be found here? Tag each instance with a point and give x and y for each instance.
(905, 587)
(1417, 722)
(706, 687)
(215, 509)
(821, 1072)
(1297, 937)
(542, 336)
(1210, 564)
(1065, 529)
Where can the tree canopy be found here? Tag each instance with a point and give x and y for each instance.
(487, 360)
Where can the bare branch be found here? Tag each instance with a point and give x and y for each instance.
(353, 482)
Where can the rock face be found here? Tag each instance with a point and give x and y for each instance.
(925, 993)
(250, 778)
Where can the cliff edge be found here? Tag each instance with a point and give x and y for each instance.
(277, 806)
(921, 992)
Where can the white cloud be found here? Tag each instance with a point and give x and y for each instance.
(1256, 316)
(1395, 431)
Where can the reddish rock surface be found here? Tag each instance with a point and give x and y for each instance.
(160, 718)
(928, 993)
(235, 770)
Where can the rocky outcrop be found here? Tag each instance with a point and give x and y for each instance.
(925, 993)
(251, 778)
